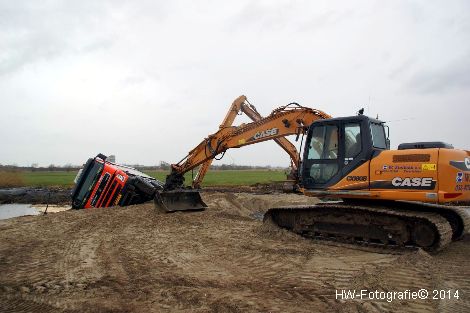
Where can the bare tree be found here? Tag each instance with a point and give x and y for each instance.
(164, 165)
(68, 167)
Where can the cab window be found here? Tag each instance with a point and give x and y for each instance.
(353, 142)
(378, 136)
(324, 143)
(322, 156)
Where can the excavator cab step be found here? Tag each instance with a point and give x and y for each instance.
(179, 200)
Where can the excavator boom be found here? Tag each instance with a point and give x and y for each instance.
(241, 105)
(287, 120)
(291, 119)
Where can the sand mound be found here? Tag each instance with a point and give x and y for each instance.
(219, 260)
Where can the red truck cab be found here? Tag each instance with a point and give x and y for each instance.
(101, 183)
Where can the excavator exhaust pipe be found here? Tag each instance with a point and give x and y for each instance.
(179, 200)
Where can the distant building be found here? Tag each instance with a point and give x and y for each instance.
(112, 158)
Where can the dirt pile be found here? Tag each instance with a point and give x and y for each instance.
(220, 260)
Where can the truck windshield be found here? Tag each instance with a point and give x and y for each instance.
(86, 183)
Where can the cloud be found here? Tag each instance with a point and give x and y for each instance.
(156, 77)
(452, 76)
(33, 32)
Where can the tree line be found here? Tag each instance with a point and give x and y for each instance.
(163, 166)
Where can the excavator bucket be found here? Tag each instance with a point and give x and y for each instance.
(179, 200)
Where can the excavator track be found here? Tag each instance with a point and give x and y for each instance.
(393, 225)
(457, 217)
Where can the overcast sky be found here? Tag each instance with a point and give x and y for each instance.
(148, 80)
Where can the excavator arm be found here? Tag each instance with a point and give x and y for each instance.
(241, 104)
(291, 119)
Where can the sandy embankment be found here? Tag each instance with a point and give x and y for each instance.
(220, 260)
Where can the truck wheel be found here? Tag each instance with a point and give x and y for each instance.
(144, 187)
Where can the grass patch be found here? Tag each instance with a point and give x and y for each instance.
(212, 178)
(49, 179)
(11, 179)
(231, 178)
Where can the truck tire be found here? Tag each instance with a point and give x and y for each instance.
(143, 187)
(157, 184)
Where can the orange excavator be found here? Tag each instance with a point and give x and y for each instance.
(388, 198)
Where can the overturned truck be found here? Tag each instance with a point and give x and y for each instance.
(101, 183)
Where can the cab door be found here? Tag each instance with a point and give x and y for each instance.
(353, 141)
(323, 155)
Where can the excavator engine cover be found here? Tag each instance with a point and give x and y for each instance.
(179, 200)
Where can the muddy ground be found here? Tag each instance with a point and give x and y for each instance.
(221, 260)
(61, 195)
(32, 195)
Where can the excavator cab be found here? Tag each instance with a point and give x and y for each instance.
(335, 147)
